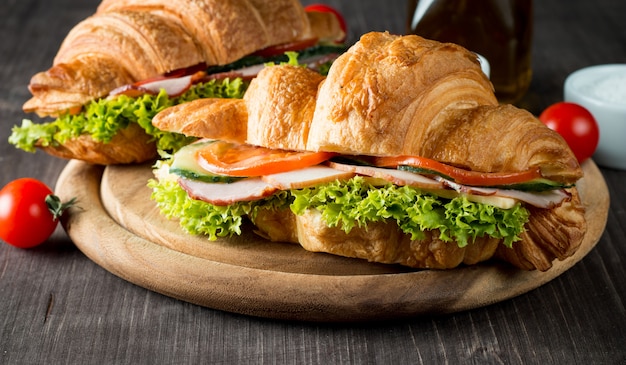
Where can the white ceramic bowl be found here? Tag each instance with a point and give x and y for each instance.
(602, 90)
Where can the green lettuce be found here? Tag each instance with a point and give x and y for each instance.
(356, 202)
(201, 218)
(103, 118)
(347, 204)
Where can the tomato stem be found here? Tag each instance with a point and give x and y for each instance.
(56, 207)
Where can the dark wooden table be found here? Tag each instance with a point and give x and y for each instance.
(57, 306)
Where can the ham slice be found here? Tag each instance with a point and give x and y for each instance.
(173, 86)
(225, 194)
(257, 188)
(174, 83)
(397, 177)
(544, 199)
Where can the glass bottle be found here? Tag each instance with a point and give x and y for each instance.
(499, 30)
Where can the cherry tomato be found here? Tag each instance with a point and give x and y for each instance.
(576, 125)
(323, 8)
(28, 212)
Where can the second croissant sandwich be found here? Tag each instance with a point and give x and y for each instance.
(131, 59)
(401, 155)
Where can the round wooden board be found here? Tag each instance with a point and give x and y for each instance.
(117, 226)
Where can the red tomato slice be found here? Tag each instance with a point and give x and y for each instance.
(279, 49)
(232, 159)
(461, 176)
(323, 8)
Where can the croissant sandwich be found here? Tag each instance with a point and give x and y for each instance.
(400, 155)
(133, 58)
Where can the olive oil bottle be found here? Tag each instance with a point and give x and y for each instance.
(499, 30)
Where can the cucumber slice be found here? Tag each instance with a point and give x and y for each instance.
(184, 165)
(319, 49)
(536, 185)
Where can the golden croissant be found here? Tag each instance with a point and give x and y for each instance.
(393, 98)
(129, 41)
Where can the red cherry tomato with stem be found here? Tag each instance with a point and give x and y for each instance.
(29, 212)
(576, 125)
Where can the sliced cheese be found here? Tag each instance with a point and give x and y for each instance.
(310, 176)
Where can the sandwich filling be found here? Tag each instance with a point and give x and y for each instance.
(212, 187)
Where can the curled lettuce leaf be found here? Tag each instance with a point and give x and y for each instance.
(103, 118)
(25, 136)
(201, 218)
(347, 204)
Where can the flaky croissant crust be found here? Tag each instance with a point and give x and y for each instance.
(391, 95)
(385, 86)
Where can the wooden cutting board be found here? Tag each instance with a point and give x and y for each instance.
(117, 226)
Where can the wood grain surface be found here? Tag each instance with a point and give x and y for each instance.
(120, 228)
(58, 307)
